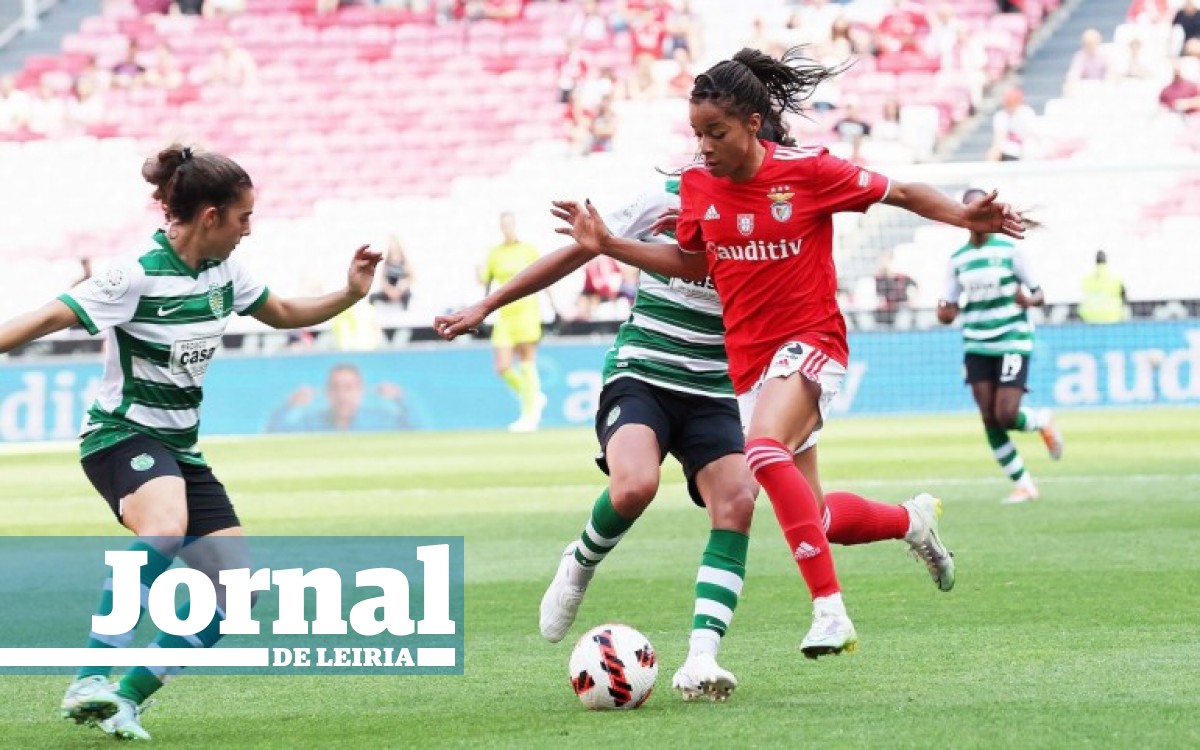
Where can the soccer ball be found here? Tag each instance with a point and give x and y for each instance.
(613, 666)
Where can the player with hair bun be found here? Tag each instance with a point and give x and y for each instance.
(757, 218)
(163, 310)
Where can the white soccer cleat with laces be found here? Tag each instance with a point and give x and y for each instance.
(125, 724)
(924, 512)
(560, 603)
(701, 676)
(831, 633)
(89, 699)
(1025, 491)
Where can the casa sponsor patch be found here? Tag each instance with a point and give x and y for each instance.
(191, 357)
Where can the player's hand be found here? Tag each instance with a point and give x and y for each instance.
(361, 275)
(666, 221)
(1023, 298)
(585, 225)
(462, 321)
(988, 216)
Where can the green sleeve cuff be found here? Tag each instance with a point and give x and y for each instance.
(84, 318)
(262, 298)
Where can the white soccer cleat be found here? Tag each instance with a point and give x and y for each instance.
(1025, 491)
(925, 510)
(125, 723)
(701, 676)
(1051, 435)
(523, 425)
(560, 603)
(88, 700)
(831, 633)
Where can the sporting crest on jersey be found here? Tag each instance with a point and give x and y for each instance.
(745, 224)
(216, 299)
(781, 202)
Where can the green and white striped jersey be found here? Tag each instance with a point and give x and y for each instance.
(986, 278)
(163, 323)
(674, 337)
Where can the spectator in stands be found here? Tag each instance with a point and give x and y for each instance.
(820, 19)
(853, 129)
(1090, 62)
(682, 29)
(590, 27)
(760, 38)
(343, 410)
(1014, 128)
(232, 66)
(572, 70)
(1188, 20)
(85, 105)
(129, 72)
(680, 84)
(841, 45)
(603, 127)
(970, 58)
(166, 72)
(887, 128)
(357, 329)
(14, 106)
(894, 291)
(606, 85)
(1135, 65)
(642, 83)
(1104, 297)
(1181, 94)
(398, 276)
(648, 34)
(601, 283)
(577, 124)
(48, 110)
(902, 28)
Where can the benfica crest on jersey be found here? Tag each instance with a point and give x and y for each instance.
(781, 203)
(745, 224)
(216, 299)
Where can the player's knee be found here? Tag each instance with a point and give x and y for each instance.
(1006, 417)
(735, 509)
(631, 494)
(175, 528)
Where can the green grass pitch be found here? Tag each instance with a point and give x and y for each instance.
(1073, 624)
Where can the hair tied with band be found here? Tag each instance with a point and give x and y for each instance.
(186, 153)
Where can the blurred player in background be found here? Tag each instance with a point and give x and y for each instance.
(518, 326)
(164, 311)
(745, 215)
(994, 277)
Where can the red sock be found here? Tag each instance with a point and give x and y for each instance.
(796, 510)
(851, 519)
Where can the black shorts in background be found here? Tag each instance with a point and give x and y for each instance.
(1005, 370)
(695, 429)
(118, 471)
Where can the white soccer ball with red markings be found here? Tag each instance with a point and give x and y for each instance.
(613, 667)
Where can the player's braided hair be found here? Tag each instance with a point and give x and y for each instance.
(756, 83)
(185, 180)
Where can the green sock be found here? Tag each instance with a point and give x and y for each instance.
(140, 683)
(531, 388)
(604, 529)
(1006, 453)
(718, 586)
(1028, 420)
(515, 382)
(156, 564)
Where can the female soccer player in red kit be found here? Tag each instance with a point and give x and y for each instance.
(757, 217)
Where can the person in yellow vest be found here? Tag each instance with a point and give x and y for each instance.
(1103, 294)
(518, 326)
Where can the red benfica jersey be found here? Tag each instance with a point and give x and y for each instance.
(769, 244)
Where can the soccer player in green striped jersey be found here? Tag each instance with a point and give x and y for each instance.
(992, 279)
(163, 311)
(667, 390)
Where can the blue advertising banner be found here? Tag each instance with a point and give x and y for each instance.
(444, 387)
(233, 605)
